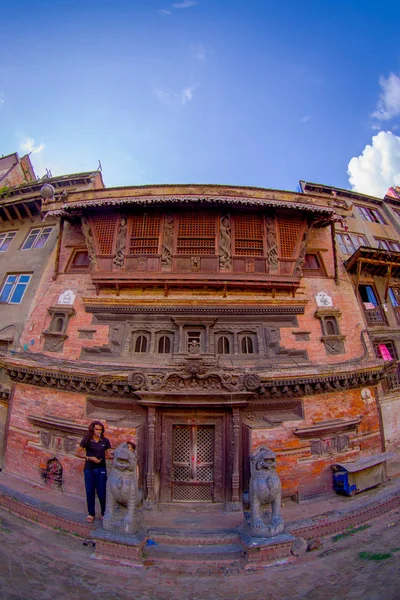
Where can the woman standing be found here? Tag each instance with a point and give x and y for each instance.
(95, 448)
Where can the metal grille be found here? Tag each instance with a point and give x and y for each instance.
(193, 463)
(289, 233)
(145, 233)
(248, 235)
(191, 493)
(196, 233)
(104, 227)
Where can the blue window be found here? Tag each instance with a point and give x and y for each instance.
(14, 288)
(37, 238)
(5, 239)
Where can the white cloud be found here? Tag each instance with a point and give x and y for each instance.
(163, 12)
(187, 94)
(305, 118)
(28, 145)
(389, 101)
(378, 167)
(163, 95)
(184, 4)
(199, 52)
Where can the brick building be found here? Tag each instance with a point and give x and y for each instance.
(27, 246)
(201, 321)
(368, 243)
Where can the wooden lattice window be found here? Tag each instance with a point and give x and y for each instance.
(289, 234)
(196, 233)
(104, 227)
(248, 235)
(144, 233)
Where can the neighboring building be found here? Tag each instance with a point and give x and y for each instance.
(27, 244)
(369, 244)
(202, 321)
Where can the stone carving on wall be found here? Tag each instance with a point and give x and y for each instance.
(264, 491)
(122, 491)
(52, 473)
(67, 297)
(195, 263)
(168, 240)
(120, 243)
(249, 265)
(272, 246)
(87, 232)
(225, 251)
(323, 299)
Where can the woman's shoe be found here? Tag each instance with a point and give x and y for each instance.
(89, 519)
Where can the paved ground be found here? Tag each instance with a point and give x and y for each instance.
(43, 564)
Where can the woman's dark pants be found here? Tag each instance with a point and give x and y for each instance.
(95, 481)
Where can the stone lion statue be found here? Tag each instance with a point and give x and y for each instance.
(122, 489)
(265, 489)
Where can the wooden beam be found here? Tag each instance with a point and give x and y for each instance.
(389, 273)
(38, 208)
(9, 217)
(28, 212)
(20, 219)
(57, 258)
(359, 267)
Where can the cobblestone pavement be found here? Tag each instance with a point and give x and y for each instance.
(43, 564)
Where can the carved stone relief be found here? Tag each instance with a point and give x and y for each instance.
(167, 245)
(121, 243)
(225, 251)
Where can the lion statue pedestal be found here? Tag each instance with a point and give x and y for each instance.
(264, 491)
(122, 491)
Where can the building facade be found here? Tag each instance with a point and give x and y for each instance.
(27, 246)
(202, 322)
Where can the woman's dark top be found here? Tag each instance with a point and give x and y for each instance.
(97, 449)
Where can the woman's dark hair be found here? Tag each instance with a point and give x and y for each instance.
(129, 443)
(90, 432)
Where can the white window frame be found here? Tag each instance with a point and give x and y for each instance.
(4, 237)
(14, 285)
(37, 233)
(353, 239)
(384, 244)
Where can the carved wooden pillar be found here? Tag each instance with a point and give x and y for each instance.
(151, 423)
(235, 343)
(207, 338)
(235, 470)
(180, 339)
(152, 341)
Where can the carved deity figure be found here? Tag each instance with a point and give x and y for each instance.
(168, 238)
(265, 489)
(87, 232)
(121, 243)
(225, 253)
(272, 246)
(122, 489)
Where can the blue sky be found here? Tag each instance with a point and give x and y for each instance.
(259, 93)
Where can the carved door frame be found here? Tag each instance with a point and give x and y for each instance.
(220, 420)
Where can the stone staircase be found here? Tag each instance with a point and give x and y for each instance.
(190, 550)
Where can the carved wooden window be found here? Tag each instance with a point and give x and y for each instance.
(248, 235)
(223, 345)
(289, 234)
(196, 233)
(144, 233)
(79, 261)
(104, 227)
(313, 265)
(246, 344)
(141, 344)
(386, 350)
(164, 345)
(193, 342)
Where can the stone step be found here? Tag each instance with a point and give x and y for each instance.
(220, 553)
(191, 507)
(188, 537)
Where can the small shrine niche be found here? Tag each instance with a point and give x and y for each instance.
(56, 334)
(52, 474)
(331, 337)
